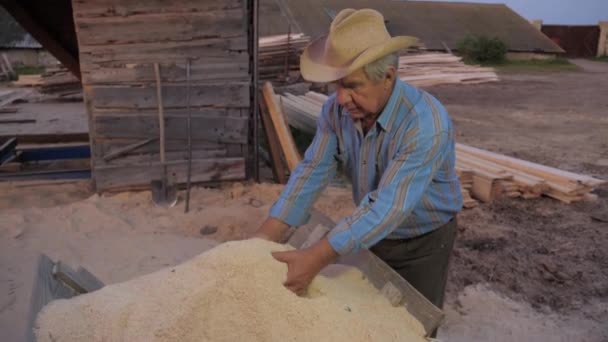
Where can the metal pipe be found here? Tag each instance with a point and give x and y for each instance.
(256, 107)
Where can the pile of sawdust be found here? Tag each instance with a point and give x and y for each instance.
(229, 293)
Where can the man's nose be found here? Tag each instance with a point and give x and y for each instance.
(343, 96)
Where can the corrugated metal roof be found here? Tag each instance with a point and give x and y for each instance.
(12, 35)
(434, 23)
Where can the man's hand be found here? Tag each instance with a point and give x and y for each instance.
(272, 230)
(304, 265)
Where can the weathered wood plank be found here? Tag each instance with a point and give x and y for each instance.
(234, 68)
(205, 170)
(104, 146)
(160, 27)
(203, 51)
(215, 129)
(170, 156)
(221, 94)
(108, 8)
(198, 111)
(126, 149)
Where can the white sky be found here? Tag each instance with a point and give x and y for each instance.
(565, 12)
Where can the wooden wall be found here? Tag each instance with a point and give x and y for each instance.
(119, 42)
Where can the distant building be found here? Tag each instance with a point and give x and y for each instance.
(19, 46)
(439, 25)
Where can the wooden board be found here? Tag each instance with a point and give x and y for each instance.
(292, 156)
(278, 168)
(105, 146)
(234, 94)
(108, 8)
(201, 51)
(160, 27)
(205, 170)
(229, 68)
(213, 129)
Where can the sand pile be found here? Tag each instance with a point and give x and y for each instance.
(229, 293)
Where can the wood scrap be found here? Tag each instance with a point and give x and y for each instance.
(484, 175)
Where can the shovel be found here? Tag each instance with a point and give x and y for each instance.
(164, 194)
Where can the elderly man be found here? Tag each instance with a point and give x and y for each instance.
(396, 145)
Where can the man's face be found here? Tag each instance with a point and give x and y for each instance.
(362, 97)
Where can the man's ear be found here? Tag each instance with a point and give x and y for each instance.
(390, 75)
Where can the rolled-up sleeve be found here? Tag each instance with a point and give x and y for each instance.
(311, 176)
(401, 188)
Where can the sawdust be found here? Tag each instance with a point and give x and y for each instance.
(229, 293)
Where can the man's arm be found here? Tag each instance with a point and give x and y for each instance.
(306, 182)
(401, 188)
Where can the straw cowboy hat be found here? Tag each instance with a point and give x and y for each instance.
(356, 38)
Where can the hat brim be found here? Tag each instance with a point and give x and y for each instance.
(314, 68)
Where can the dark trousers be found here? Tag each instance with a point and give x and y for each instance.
(423, 260)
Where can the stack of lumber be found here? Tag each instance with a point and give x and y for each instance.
(279, 56)
(496, 175)
(54, 81)
(429, 69)
(484, 175)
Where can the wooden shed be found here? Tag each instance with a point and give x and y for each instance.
(118, 44)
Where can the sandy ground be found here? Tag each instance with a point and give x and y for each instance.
(534, 270)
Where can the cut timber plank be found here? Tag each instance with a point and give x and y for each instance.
(160, 27)
(108, 8)
(542, 171)
(292, 156)
(482, 189)
(203, 170)
(278, 168)
(213, 129)
(235, 94)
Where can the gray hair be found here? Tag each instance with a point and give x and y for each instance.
(376, 70)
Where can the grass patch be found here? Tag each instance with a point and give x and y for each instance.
(535, 65)
(601, 59)
(28, 70)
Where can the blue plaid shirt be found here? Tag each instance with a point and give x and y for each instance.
(402, 171)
